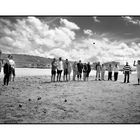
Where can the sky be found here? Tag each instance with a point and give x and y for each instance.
(86, 38)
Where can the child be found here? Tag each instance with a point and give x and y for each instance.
(7, 72)
(103, 72)
(138, 70)
(53, 71)
(110, 69)
(12, 63)
(127, 71)
(116, 69)
(85, 71)
(75, 70)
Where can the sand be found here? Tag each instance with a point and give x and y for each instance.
(69, 102)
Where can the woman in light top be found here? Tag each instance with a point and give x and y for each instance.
(138, 70)
(116, 70)
(59, 69)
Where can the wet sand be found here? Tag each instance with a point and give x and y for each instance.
(69, 102)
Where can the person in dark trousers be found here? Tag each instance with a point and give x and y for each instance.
(116, 70)
(7, 72)
(59, 69)
(98, 71)
(126, 71)
(85, 69)
(88, 69)
(66, 67)
(80, 68)
(110, 69)
(53, 71)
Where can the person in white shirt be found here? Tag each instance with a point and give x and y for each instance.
(103, 72)
(116, 70)
(138, 70)
(59, 69)
(12, 63)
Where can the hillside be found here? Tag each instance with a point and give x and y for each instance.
(28, 61)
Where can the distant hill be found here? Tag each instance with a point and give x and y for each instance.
(29, 61)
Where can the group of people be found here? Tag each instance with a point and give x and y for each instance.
(57, 67)
(83, 70)
(8, 69)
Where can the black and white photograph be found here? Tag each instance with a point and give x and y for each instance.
(73, 69)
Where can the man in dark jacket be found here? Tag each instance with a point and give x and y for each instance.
(7, 72)
(80, 68)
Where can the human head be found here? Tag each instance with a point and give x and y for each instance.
(54, 59)
(66, 60)
(9, 56)
(79, 61)
(116, 65)
(126, 63)
(60, 58)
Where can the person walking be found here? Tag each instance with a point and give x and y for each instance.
(110, 69)
(103, 68)
(138, 70)
(80, 68)
(126, 71)
(53, 70)
(116, 71)
(75, 70)
(59, 69)
(88, 70)
(7, 72)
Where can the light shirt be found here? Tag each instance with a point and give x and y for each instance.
(12, 63)
(60, 65)
(116, 69)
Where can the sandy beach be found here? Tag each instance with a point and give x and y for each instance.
(68, 102)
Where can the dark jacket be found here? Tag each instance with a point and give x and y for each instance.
(80, 67)
(7, 68)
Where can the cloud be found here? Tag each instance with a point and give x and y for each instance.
(129, 19)
(35, 36)
(88, 32)
(68, 24)
(96, 20)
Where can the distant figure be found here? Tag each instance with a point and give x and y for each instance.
(59, 69)
(127, 71)
(98, 71)
(66, 68)
(88, 69)
(85, 69)
(103, 72)
(80, 68)
(0, 61)
(7, 72)
(75, 70)
(53, 71)
(110, 69)
(138, 70)
(116, 70)
(12, 63)
(69, 71)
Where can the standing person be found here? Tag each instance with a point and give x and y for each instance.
(116, 70)
(0, 61)
(69, 70)
(7, 72)
(98, 71)
(59, 69)
(65, 66)
(127, 71)
(80, 68)
(75, 70)
(103, 72)
(138, 70)
(12, 63)
(85, 69)
(53, 71)
(110, 69)
(88, 69)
